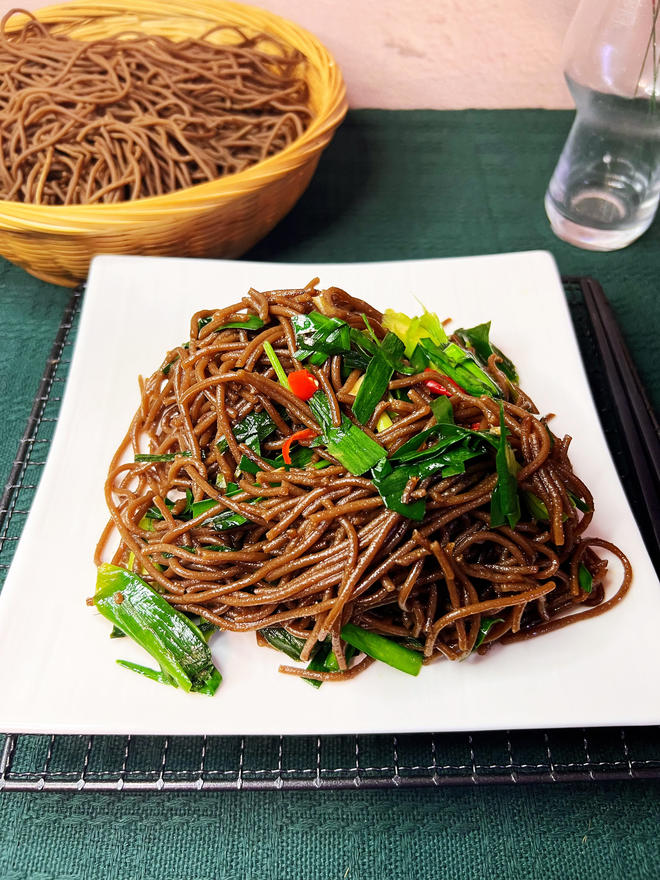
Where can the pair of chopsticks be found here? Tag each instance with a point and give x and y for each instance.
(638, 423)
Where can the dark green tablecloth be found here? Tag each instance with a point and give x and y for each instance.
(392, 185)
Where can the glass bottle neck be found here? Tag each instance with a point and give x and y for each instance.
(613, 46)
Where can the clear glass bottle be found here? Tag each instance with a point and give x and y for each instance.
(605, 189)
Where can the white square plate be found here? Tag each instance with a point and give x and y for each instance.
(57, 669)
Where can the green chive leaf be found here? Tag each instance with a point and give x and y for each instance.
(129, 603)
(505, 503)
(162, 456)
(255, 427)
(487, 623)
(377, 377)
(585, 578)
(383, 649)
(478, 338)
(277, 366)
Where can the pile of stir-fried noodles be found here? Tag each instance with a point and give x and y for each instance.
(309, 469)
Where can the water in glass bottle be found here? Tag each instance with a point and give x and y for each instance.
(605, 189)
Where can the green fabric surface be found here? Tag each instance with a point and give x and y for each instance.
(392, 185)
(30, 313)
(551, 833)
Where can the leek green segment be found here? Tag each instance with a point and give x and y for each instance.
(161, 456)
(251, 322)
(426, 344)
(377, 377)
(226, 519)
(459, 365)
(505, 503)
(170, 637)
(383, 649)
(585, 578)
(478, 338)
(323, 658)
(255, 427)
(318, 337)
(412, 330)
(487, 623)
(347, 443)
(277, 366)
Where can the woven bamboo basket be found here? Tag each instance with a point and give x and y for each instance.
(222, 218)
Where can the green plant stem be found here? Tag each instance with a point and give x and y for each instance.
(651, 45)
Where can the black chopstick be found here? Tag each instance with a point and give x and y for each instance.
(644, 416)
(638, 423)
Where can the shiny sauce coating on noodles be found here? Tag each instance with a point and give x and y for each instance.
(215, 518)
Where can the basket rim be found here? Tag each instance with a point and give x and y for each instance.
(201, 195)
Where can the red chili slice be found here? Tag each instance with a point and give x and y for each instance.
(303, 384)
(435, 386)
(305, 434)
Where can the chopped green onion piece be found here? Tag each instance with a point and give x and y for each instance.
(459, 365)
(276, 365)
(251, 322)
(319, 663)
(391, 485)
(226, 519)
(579, 502)
(538, 509)
(166, 367)
(383, 649)
(356, 451)
(154, 674)
(412, 330)
(255, 427)
(377, 377)
(170, 637)
(282, 640)
(247, 466)
(487, 623)
(478, 338)
(442, 410)
(162, 456)
(370, 330)
(209, 688)
(419, 360)
(505, 503)
(325, 660)
(391, 476)
(448, 434)
(354, 360)
(536, 506)
(384, 422)
(318, 337)
(362, 343)
(301, 457)
(585, 578)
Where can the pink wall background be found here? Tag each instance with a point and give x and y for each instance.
(440, 54)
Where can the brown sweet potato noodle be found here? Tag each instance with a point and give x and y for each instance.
(138, 115)
(318, 546)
